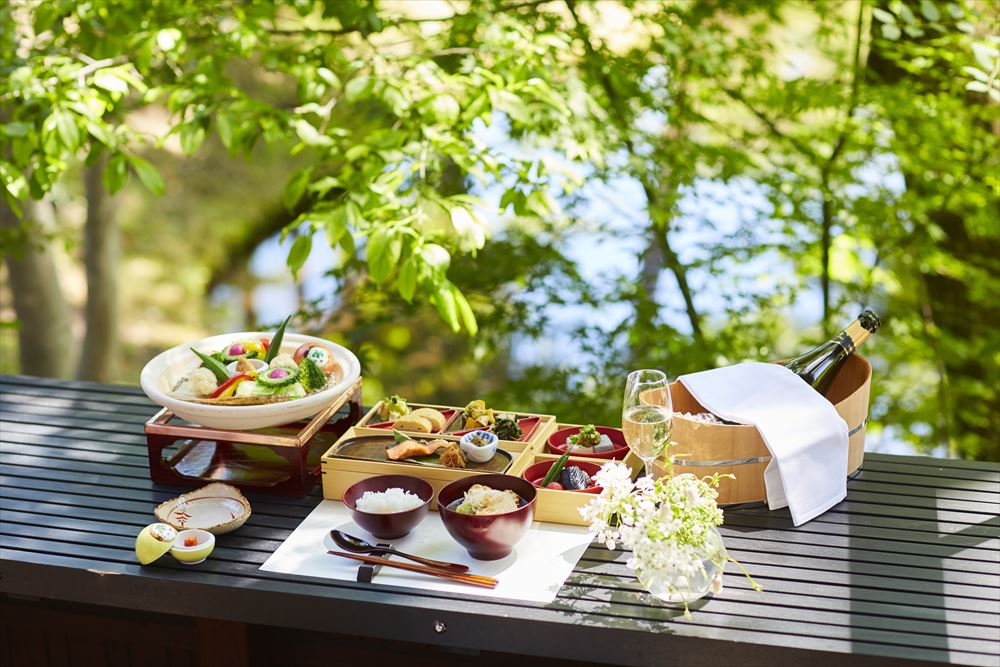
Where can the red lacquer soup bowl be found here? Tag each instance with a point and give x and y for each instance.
(395, 525)
(493, 536)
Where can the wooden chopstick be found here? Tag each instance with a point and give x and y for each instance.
(472, 579)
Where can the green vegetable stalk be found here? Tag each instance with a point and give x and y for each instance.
(555, 470)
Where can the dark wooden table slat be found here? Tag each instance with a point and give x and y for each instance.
(907, 568)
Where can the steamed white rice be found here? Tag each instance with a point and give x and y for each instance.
(390, 501)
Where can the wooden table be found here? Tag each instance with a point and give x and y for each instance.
(905, 571)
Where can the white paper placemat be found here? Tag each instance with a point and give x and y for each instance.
(534, 572)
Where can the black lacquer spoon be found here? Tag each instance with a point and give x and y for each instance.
(357, 545)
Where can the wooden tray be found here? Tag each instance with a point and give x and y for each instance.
(564, 506)
(340, 473)
(534, 439)
(554, 506)
(280, 460)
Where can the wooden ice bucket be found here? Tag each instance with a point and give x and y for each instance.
(702, 449)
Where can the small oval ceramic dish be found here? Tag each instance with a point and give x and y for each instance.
(193, 546)
(556, 443)
(258, 365)
(535, 473)
(217, 508)
(479, 446)
(153, 541)
(166, 369)
(487, 536)
(389, 525)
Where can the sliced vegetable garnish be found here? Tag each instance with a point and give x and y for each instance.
(275, 347)
(277, 377)
(220, 372)
(228, 388)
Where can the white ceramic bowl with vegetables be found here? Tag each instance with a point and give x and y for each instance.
(302, 376)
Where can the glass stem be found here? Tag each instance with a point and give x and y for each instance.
(649, 467)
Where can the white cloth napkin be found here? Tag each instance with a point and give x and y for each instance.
(802, 430)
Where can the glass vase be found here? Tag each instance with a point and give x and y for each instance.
(677, 588)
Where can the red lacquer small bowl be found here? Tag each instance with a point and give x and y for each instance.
(492, 536)
(556, 443)
(397, 524)
(536, 472)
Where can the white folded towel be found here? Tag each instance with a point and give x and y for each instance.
(802, 430)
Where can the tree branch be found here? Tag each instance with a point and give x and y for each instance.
(402, 20)
(660, 229)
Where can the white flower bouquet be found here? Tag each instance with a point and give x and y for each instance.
(669, 525)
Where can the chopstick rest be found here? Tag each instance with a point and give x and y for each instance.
(367, 571)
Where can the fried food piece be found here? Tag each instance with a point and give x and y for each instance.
(244, 366)
(452, 457)
(433, 416)
(410, 448)
(413, 423)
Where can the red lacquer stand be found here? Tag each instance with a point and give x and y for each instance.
(282, 460)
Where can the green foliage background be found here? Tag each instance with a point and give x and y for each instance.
(868, 129)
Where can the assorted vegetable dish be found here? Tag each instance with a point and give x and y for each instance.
(254, 372)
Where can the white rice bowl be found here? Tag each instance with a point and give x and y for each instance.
(166, 369)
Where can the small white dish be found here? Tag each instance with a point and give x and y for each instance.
(258, 366)
(217, 508)
(204, 544)
(479, 453)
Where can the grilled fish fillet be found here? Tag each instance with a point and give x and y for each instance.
(410, 448)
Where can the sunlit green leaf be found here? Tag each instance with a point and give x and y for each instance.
(406, 283)
(116, 173)
(192, 137)
(384, 248)
(148, 174)
(299, 252)
(296, 187)
(465, 314)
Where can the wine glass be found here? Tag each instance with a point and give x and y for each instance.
(646, 415)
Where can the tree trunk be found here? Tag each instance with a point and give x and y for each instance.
(45, 340)
(100, 343)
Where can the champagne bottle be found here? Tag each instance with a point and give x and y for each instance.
(819, 366)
